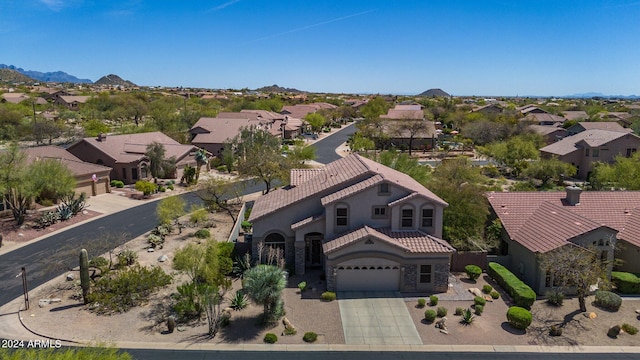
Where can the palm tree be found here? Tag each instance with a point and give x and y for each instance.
(155, 152)
(201, 159)
(263, 285)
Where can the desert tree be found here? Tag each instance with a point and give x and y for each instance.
(315, 121)
(259, 156)
(155, 153)
(220, 194)
(170, 209)
(575, 267)
(548, 170)
(409, 128)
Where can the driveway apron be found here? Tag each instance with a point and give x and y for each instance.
(376, 318)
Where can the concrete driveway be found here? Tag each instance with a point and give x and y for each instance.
(376, 318)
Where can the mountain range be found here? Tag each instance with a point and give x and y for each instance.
(56, 76)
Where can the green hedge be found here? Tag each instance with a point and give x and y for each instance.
(521, 293)
(626, 283)
(519, 318)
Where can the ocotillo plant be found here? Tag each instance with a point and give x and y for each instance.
(84, 275)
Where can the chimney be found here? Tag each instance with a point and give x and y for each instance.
(102, 137)
(573, 195)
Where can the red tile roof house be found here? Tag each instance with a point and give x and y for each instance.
(125, 154)
(588, 147)
(397, 136)
(82, 171)
(539, 222)
(369, 227)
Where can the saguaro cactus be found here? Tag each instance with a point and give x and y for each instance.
(84, 275)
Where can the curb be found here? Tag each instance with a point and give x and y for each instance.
(20, 310)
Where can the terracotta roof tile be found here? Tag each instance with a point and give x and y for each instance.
(614, 209)
(299, 176)
(352, 190)
(593, 138)
(410, 241)
(307, 221)
(77, 167)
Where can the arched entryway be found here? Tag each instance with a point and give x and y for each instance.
(313, 250)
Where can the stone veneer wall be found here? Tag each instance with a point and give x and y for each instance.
(331, 279)
(441, 277)
(299, 257)
(410, 277)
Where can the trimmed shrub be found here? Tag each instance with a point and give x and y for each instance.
(270, 338)
(613, 331)
(146, 187)
(202, 234)
(629, 329)
(479, 309)
(433, 300)
(328, 296)
(519, 318)
(430, 315)
(522, 294)
(487, 289)
(473, 271)
(608, 300)
(442, 311)
(626, 283)
(479, 300)
(495, 295)
(555, 297)
(422, 303)
(117, 184)
(310, 337)
(302, 286)
(459, 311)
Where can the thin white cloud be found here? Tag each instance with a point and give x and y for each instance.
(309, 26)
(222, 6)
(54, 5)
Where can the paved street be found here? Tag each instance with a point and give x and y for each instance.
(326, 148)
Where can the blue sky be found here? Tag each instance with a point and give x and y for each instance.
(489, 48)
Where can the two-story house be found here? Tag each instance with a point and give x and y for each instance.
(369, 227)
(585, 148)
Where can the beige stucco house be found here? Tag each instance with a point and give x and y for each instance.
(369, 227)
(125, 154)
(540, 222)
(583, 149)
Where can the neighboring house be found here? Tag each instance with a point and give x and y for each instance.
(397, 125)
(538, 222)
(599, 125)
(16, 98)
(369, 227)
(125, 154)
(301, 110)
(544, 119)
(531, 109)
(72, 102)
(91, 179)
(578, 115)
(211, 134)
(550, 134)
(588, 147)
(489, 109)
(622, 118)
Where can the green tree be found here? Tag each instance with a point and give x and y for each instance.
(410, 129)
(258, 154)
(50, 179)
(315, 121)
(405, 164)
(170, 209)
(201, 160)
(547, 170)
(264, 285)
(155, 153)
(300, 153)
(220, 194)
(624, 173)
(374, 108)
(360, 143)
(515, 153)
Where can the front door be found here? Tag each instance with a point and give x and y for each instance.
(313, 250)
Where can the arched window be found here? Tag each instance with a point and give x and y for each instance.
(275, 240)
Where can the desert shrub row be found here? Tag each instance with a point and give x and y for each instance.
(521, 293)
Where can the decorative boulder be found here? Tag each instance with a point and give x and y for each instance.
(476, 292)
(163, 258)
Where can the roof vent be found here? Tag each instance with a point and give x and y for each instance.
(573, 195)
(102, 137)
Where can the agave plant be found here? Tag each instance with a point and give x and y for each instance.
(239, 301)
(64, 212)
(467, 317)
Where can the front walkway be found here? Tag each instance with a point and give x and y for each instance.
(376, 318)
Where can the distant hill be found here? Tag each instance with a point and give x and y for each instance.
(277, 89)
(113, 80)
(434, 93)
(13, 76)
(56, 76)
(600, 95)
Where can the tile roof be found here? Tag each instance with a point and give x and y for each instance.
(413, 241)
(131, 147)
(614, 209)
(299, 176)
(352, 190)
(593, 138)
(546, 129)
(336, 176)
(307, 221)
(575, 115)
(399, 114)
(77, 167)
(604, 125)
(544, 117)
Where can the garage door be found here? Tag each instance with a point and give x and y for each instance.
(366, 277)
